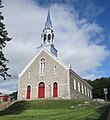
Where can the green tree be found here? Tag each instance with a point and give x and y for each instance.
(98, 87)
(3, 40)
(14, 95)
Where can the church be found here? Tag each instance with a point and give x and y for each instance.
(47, 77)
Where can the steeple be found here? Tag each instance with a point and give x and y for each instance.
(47, 36)
(48, 23)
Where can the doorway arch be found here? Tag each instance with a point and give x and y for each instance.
(28, 92)
(55, 89)
(41, 90)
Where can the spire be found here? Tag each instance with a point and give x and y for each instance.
(48, 23)
(47, 36)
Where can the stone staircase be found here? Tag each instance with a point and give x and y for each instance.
(6, 104)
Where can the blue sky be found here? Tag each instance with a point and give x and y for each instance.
(82, 35)
(97, 11)
(94, 10)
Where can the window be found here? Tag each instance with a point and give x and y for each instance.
(44, 38)
(52, 35)
(54, 69)
(49, 37)
(85, 91)
(29, 74)
(79, 86)
(82, 89)
(42, 66)
(74, 84)
(88, 92)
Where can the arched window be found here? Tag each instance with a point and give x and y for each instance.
(44, 38)
(42, 66)
(29, 74)
(55, 89)
(85, 91)
(28, 92)
(54, 69)
(78, 86)
(74, 84)
(82, 89)
(41, 90)
(49, 37)
(88, 92)
(52, 36)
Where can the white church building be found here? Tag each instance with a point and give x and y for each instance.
(48, 77)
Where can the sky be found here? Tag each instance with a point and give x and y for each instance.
(82, 35)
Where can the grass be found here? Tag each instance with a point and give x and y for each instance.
(54, 110)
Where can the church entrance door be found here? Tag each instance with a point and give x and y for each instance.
(28, 92)
(55, 89)
(41, 90)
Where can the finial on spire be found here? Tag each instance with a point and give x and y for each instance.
(48, 23)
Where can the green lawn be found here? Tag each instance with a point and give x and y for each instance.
(54, 110)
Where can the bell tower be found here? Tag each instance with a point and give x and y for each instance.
(47, 36)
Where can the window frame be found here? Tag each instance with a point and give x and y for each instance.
(42, 66)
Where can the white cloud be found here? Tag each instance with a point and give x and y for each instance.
(74, 38)
(91, 76)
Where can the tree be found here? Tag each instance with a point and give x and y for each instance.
(3, 40)
(14, 95)
(98, 87)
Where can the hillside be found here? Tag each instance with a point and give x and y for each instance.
(54, 110)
